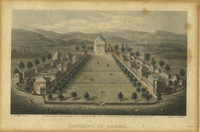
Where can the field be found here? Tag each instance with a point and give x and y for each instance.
(104, 87)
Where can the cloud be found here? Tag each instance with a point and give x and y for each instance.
(94, 24)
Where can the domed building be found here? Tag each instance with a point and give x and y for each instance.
(100, 45)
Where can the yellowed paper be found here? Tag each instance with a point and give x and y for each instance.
(67, 122)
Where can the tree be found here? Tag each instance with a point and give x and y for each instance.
(147, 98)
(132, 53)
(131, 79)
(83, 46)
(16, 71)
(146, 56)
(60, 96)
(74, 95)
(43, 59)
(86, 95)
(134, 96)
(50, 96)
(122, 49)
(129, 49)
(134, 84)
(36, 62)
(175, 83)
(159, 98)
(120, 96)
(49, 56)
(143, 89)
(116, 47)
(182, 72)
(137, 54)
(153, 62)
(167, 68)
(162, 63)
(21, 65)
(139, 84)
(135, 79)
(29, 64)
(143, 95)
(138, 89)
(91, 47)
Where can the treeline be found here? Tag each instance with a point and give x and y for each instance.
(26, 53)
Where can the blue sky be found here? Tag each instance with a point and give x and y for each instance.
(64, 21)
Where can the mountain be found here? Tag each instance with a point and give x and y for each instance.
(21, 36)
(116, 36)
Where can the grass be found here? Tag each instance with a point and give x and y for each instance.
(111, 85)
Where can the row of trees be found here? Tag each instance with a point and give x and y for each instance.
(68, 77)
(73, 94)
(84, 47)
(30, 64)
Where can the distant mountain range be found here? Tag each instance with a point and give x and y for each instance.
(21, 37)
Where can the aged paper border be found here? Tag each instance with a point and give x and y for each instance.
(137, 123)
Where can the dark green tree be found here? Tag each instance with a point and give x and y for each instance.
(182, 72)
(50, 96)
(91, 47)
(143, 89)
(134, 96)
(83, 46)
(16, 71)
(139, 84)
(138, 89)
(21, 65)
(74, 95)
(120, 96)
(162, 63)
(60, 96)
(36, 62)
(116, 47)
(86, 96)
(146, 56)
(29, 64)
(134, 84)
(167, 68)
(43, 59)
(159, 98)
(137, 54)
(49, 56)
(147, 98)
(129, 49)
(153, 62)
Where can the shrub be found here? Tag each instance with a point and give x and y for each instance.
(143, 89)
(138, 89)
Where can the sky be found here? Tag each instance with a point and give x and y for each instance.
(64, 21)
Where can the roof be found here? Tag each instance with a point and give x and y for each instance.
(157, 69)
(66, 63)
(31, 70)
(54, 72)
(77, 54)
(155, 77)
(140, 60)
(18, 73)
(177, 76)
(42, 79)
(47, 64)
(160, 79)
(100, 39)
(165, 73)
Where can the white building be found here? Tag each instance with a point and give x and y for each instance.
(100, 45)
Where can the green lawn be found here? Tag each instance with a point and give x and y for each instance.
(111, 85)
